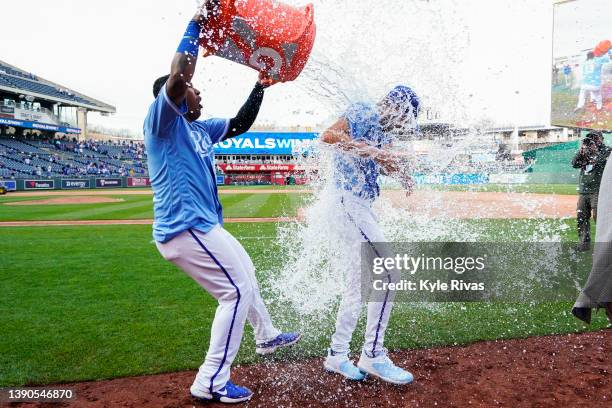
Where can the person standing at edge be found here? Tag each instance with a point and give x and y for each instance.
(188, 227)
(591, 159)
(597, 292)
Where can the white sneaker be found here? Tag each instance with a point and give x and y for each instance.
(340, 363)
(382, 367)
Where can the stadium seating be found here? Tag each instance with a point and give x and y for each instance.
(21, 158)
(42, 158)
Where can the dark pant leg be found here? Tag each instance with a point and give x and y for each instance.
(594, 199)
(584, 216)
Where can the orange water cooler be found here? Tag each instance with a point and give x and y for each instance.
(266, 35)
(602, 48)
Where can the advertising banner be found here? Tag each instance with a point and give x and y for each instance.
(273, 143)
(220, 179)
(509, 178)
(108, 183)
(39, 184)
(228, 168)
(75, 184)
(451, 179)
(138, 182)
(581, 68)
(38, 126)
(7, 112)
(33, 116)
(10, 185)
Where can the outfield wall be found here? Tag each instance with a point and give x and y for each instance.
(40, 184)
(92, 183)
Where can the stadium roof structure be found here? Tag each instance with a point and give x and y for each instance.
(13, 79)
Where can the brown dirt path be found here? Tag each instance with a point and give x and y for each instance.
(470, 205)
(553, 371)
(71, 200)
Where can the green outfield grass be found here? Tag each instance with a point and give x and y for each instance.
(84, 303)
(244, 205)
(141, 207)
(564, 189)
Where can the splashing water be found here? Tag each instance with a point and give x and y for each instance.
(362, 50)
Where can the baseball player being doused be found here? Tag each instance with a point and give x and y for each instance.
(363, 139)
(188, 226)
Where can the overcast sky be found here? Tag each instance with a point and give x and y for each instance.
(469, 59)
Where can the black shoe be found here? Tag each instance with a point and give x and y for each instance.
(582, 313)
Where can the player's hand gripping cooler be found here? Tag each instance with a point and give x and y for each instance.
(269, 36)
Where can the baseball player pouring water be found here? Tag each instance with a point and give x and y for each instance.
(188, 225)
(363, 138)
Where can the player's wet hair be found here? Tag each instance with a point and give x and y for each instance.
(590, 55)
(158, 84)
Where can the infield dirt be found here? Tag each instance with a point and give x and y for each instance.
(69, 200)
(553, 371)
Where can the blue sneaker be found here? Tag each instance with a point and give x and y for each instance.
(340, 363)
(230, 394)
(382, 367)
(282, 340)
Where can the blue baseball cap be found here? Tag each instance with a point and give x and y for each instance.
(404, 97)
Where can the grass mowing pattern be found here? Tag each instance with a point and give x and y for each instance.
(136, 207)
(84, 303)
(235, 205)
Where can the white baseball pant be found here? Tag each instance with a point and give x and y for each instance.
(220, 265)
(595, 95)
(358, 225)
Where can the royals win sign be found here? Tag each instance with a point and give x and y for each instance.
(272, 143)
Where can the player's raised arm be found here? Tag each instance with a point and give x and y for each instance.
(246, 116)
(338, 135)
(185, 59)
